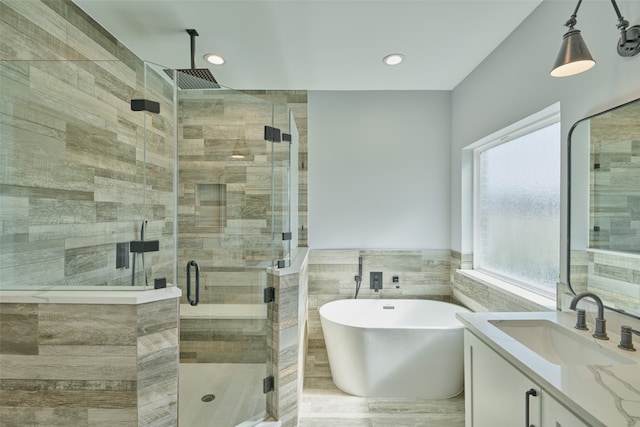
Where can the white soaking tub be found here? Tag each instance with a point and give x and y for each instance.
(395, 348)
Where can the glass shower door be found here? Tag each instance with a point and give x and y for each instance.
(225, 226)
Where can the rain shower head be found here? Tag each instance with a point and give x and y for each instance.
(194, 78)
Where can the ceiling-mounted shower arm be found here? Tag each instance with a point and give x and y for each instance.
(192, 34)
(193, 78)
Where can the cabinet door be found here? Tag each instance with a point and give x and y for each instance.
(554, 414)
(495, 391)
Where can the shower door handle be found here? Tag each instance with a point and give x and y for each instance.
(197, 298)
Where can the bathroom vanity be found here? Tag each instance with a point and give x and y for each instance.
(537, 369)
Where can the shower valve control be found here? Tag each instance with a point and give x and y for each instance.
(375, 280)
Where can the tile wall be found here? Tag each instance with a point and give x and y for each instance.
(229, 233)
(234, 249)
(296, 100)
(614, 202)
(89, 365)
(613, 276)
(210, 340)
(286, 339)
(80, 170)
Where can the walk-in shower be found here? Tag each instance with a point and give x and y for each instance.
(234, 221)
(97, 192)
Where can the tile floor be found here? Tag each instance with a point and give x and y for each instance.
(323, 404)
(324, 407)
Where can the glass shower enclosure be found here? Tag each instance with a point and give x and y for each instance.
(234, 222)
(99, 191)
(83, 175)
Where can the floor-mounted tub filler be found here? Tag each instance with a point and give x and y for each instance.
(395, 348)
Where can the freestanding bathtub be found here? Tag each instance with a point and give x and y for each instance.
(395, 348)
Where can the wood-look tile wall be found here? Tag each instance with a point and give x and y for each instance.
(296, 100)
(223, 340)
(613, 276)
(286, 337)
(89, 365)
(234, 249)
(80, 170)
(73, 183)
(614, 200)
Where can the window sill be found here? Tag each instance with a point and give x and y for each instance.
(545, 303)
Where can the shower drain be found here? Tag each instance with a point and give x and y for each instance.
(208, 398)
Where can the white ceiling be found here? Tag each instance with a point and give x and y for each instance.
(317, 44)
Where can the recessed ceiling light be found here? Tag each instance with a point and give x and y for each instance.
(393, 59)
(214, 58)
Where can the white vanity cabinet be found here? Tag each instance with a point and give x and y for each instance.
(497, 394)
(556, 415)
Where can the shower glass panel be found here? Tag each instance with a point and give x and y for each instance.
(285, 188)
(81, 172)
(280, 208)
(293, 187)
(225, 224)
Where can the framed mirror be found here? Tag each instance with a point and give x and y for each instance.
(604, 207)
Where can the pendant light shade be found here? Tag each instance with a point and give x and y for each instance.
(573, 57)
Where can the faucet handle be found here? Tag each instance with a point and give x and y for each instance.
(581, 321)
(626, 342)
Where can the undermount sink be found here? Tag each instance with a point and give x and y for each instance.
(557, 344)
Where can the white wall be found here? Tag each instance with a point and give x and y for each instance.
(379, 169)
(514, 82)
(365, 193)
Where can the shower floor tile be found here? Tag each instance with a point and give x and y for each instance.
(237, 388)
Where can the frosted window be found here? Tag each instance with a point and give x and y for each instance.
(519, 209)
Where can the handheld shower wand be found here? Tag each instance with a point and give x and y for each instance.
(358, 278)
(133, 271)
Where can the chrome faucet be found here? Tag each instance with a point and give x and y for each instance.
(600, 331)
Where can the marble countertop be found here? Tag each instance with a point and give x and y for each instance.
(602, 395)
(95, 295)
